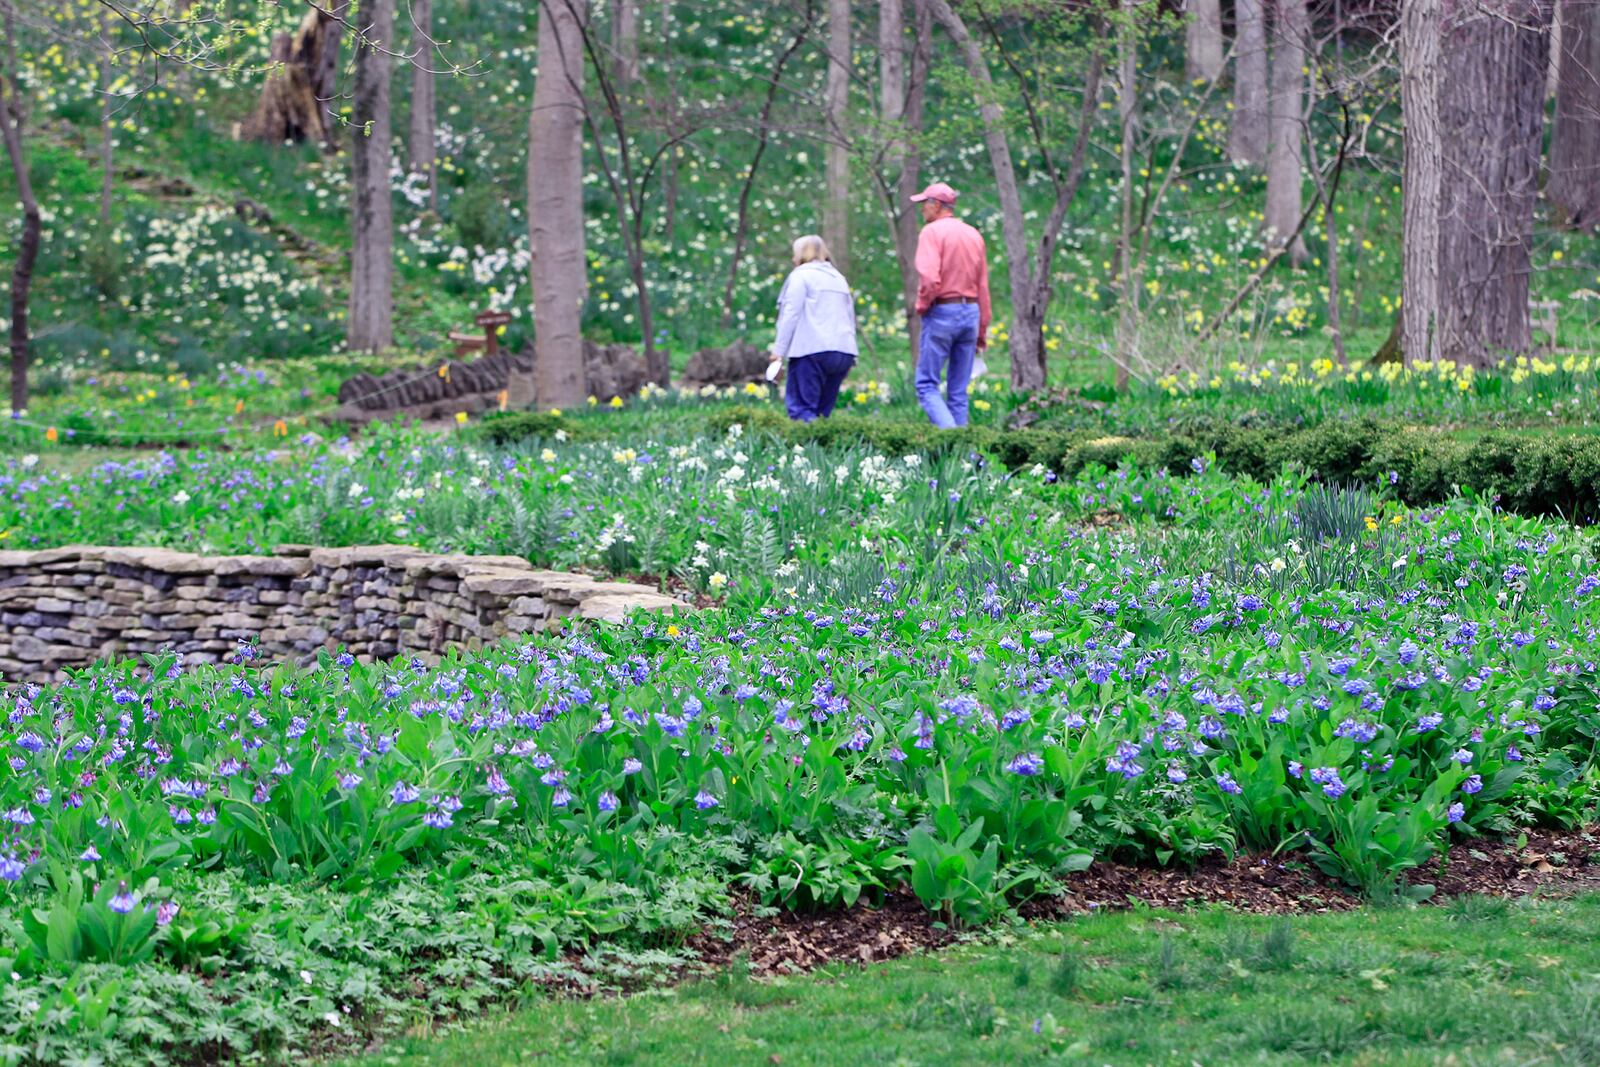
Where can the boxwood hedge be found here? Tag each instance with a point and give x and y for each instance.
(1532, 474)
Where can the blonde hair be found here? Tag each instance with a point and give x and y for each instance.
(810, 248)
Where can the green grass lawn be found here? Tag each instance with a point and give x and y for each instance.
(1476, 981)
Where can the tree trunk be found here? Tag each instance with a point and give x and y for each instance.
(1286, 128)
(1202, 55)
(28, 250)
(1127, 339)
(325, 78)
(1421, 42)
(1247, 138)
(107, 134)
(1027, 345)
(911, 173)
(904, 93)
(669, 198)
(555, 212)
(1553, 68)
(423, 143)
(370, 324)
(1328, 195)
(1492, 102)
(625, 44)
(1574, 186)
(891, 71)
(836, 207)
(669, 180)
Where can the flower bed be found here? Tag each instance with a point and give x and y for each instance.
(345, 840)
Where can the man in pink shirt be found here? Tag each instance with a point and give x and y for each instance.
(953, 300)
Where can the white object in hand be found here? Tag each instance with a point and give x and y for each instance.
(773, 368)
(979, 367)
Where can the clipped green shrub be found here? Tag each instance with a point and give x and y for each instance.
(1556, 474)
(506, 428)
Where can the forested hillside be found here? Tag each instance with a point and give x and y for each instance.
(1186, 197)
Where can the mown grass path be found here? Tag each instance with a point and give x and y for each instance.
(1478, 980)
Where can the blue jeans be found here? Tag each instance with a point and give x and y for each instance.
(813, 385)
(949, 340)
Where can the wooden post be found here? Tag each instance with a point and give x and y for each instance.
(491, 321)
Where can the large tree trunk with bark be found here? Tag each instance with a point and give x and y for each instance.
(625, 44)
(1202, 53)
(1286, 128)
(423, 144)
(1421, 44)
(891, 70)
(1574, 186)
(370, 324)
(1492, 104)
(1027, 339)
(11, 119)
(836, 207)
(559, 273)
(1247, 137)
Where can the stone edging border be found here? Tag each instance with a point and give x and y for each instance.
(67, 607)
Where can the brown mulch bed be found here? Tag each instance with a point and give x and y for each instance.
(1550, 862)
(1254, 884)
(1553, 862)
(792, 942)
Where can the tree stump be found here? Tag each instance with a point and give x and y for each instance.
(289, 109)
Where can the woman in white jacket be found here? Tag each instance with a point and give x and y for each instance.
(816, 331)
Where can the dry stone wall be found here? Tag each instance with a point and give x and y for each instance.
(67, 607)
(473, 385)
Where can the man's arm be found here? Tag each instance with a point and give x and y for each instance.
(928, 269)
(984, 313)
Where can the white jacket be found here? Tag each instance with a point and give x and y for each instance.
(816, 312)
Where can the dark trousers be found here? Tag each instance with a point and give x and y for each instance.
(814, 382)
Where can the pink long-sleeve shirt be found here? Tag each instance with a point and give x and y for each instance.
(952, 260)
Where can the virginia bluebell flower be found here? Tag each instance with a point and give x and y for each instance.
(1026, 764)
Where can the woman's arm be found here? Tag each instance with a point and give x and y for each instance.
(791, 298)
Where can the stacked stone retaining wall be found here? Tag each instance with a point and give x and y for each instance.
(68, 607)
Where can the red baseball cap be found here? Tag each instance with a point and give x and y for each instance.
(937, 191)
